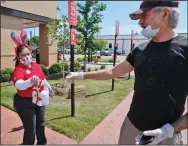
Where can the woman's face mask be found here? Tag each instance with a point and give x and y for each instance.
(25, 57)
(27, 60)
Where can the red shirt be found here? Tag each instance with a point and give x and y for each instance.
(22, 72)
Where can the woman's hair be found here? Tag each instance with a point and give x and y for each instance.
(19, 49)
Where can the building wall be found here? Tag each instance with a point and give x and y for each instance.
(48, 54)
(43, 8)
(9, 24)
(124, 41)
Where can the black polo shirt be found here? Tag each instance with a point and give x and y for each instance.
(161, 82)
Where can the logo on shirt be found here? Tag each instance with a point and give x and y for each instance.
(28, 71)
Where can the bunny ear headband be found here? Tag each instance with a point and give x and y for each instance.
(19, 40)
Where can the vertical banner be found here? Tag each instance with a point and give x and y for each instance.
(117, 33)
(72, 17)
(117, 27)
(73, 37)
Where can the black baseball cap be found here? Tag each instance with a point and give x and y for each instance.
(147, 5)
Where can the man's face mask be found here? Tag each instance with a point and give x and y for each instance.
(27, 60)
(149, 32)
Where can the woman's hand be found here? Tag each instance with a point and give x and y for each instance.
(35, 80)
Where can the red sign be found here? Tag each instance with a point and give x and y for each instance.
(117, 27)
(73, 37)
(72, 18)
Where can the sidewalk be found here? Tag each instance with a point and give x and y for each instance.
(12, 130)
(107, 132)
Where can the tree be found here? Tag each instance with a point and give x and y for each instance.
(58, 30)
(34, 41)
(100, 44)
(80, 43)
(89, 18)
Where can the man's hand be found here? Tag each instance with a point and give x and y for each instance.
(160, 134)
(74, 76)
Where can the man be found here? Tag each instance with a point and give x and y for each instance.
(161, 77)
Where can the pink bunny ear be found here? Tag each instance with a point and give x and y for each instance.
(23, 36)
(15, 38)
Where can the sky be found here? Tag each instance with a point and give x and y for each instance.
(119, 10)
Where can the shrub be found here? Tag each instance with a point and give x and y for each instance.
(5, 77)
(86, 58)
(82, 67)
(77, 65)
(88, 69)
(7, 71)
(54, 68)
(110, 60)
(102, 66)
(66, 66)
(44, 69)
(80, 59)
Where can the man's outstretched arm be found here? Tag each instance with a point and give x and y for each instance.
(110, 73)
(105, 74)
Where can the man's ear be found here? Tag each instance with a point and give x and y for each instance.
(166, 14)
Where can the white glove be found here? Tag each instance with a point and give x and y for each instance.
(160, 134)
(74, 76)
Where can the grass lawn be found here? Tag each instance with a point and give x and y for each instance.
(89, 111)
(106, 60)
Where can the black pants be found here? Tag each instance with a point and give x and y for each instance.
(33, 119)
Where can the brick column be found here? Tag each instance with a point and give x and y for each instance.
(48, 54)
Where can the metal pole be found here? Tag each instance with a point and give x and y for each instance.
(123, 47)
(63, 59)
(114, 62)
(72, 70)
(129, 75)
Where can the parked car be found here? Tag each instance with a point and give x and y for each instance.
(106, 52)
(109, 52)
(118, 51)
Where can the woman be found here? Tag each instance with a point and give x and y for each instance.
(32, 92)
